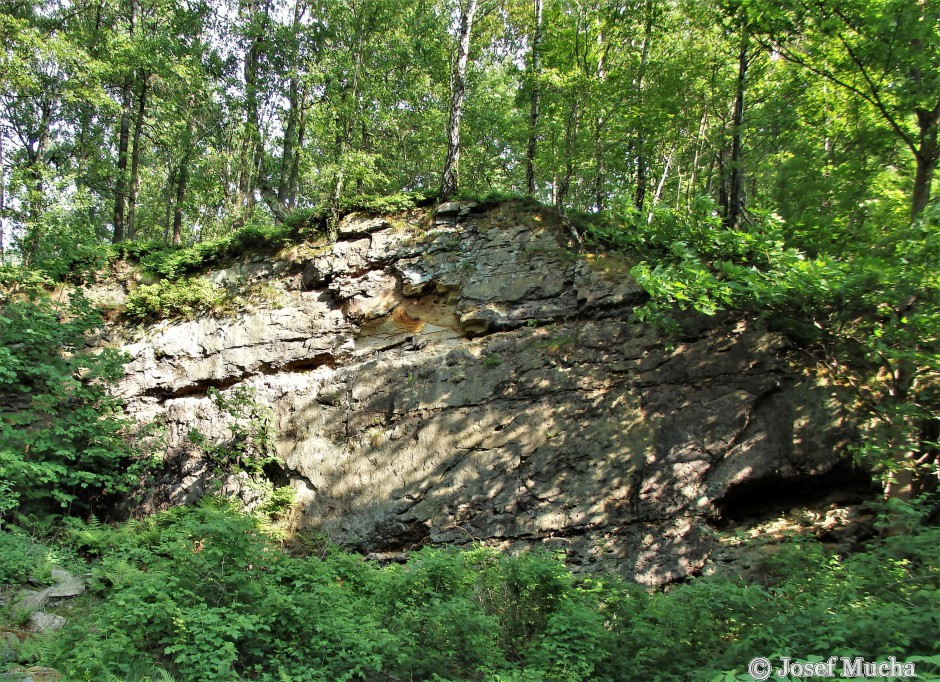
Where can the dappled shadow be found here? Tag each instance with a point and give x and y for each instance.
(532, 413)
(591, 438)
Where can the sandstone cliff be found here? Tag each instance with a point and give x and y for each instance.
(466, 375)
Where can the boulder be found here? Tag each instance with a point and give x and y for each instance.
(45, 622)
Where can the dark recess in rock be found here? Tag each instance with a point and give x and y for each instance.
(760, 499)
(198, 388)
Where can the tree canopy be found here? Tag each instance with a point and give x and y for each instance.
(147, 120)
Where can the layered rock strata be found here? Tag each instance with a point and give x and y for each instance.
(466, 375)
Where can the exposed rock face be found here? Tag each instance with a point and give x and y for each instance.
(475, 379)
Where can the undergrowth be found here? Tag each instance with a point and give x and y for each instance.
(173, 298)
(173, 262)
(202, 593)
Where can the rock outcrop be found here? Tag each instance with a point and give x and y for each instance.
(466, 375)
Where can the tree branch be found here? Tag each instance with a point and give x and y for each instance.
(870, 97)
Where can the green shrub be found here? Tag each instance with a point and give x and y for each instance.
(869, 311)
(19, 556)
(249, 449)
(493, 197)
(392, 203)
(63, 436)
(492, 360)
(168, 299)
(174, 262)
(307, 222)
(65, 243)
(204, 593)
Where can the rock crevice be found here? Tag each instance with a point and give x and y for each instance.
(479, 380)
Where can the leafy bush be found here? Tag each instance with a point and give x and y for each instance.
(307, 221)
(18, 556)
(204, 593)
(494, 197)
(17, 281)
(168, 299)
(392, 203)
(65, 243)
(249, 449)
(693, 261)
(62, 434)
(174, 262)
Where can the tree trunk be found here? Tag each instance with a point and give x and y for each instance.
(135, 162)
(120, 184)
(927, 154)
(722, 184)
(571, 135)
(699, 147)
(600, 194)
(295, 161)
(253, 148)
(182, 177)
(600, 198)
(534, 92)
(458, 85)
(287, 153)
(348, 111)
(657, 195)
(736, 173)
(36, 144)
(3, 197)
(639, 197)
(169, 206)
(293, 113)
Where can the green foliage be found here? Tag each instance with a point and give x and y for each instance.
(19, 556)
(391, 203)
(174, 262)
(172, 298)
(15, 280)
(307, 222)
(693, 261)
(492, 360)
(495, 196)
(204, 593)
(249, 448)
(63, 436)
(64, 245)
(315, 222)
(277, 502)
(869, 311)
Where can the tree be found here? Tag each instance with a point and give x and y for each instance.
(458, 86)
(535, 72)
(887, 53)
(45, 75)
(733, 195)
